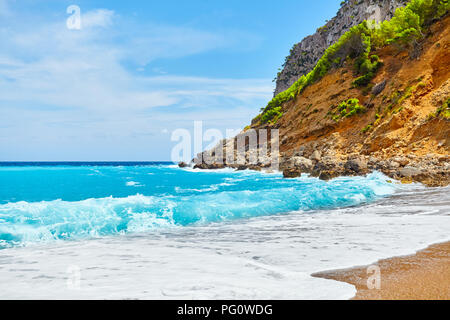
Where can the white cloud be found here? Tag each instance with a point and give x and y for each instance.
(152, 42)
(97, 18)
(69, 87)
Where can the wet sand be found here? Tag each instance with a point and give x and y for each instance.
(422, 276)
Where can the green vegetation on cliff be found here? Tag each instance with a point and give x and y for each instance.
(444, 110)
(405, 29)
(346, 109)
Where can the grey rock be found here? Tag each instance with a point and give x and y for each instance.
(182, 164)
(402, 161)
(356, 165)
(316, 156)
(392, 165)
(304, 164)
(373, 160)
(328, 175)
(378, 88)
(300, 151)
(291, 173)
(409, 171)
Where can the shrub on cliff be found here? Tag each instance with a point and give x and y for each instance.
(444, 110)
(271, 115)
(367, 67)
(406, 27)
(351, 44)
(347, 109)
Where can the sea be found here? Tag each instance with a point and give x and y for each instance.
(152, 230)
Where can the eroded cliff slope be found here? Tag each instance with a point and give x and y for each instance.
(403, 123)
(377, 100)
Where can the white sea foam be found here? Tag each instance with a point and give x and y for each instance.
(249, 194)
(268, 257)
(213, 187)
(206, 189)
(133, 184)
(223, 170)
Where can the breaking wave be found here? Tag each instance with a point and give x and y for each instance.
(234, 196)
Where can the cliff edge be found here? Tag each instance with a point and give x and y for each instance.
(378, 99)
(305, 54)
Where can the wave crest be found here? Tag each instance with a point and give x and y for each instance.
(29, 222)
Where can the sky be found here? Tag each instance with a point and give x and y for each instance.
(116, 88)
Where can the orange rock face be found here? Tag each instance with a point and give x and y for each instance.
(397, 120)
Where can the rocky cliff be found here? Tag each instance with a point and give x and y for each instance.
(305, 54)
(396, 122)
(402, 130)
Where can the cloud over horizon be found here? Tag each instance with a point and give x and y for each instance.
(76, 87)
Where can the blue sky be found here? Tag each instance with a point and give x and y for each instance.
(137, 70)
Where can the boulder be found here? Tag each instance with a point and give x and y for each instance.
(182, 164)
(291, 173)
(300, 151)
(372, 161)
(316, 156)
(357, 165)
(402, 161)
(378, 88)
(392, 165)
(209, 166)
(304, 164)
(409, 171)
(328, 175)
(201, 166)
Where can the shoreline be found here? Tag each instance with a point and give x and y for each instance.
(297, 246)
(426, 179)
(430, 170)
(424, 275)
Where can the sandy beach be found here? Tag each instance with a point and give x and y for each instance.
(422, 276)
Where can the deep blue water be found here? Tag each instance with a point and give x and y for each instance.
(64, 201)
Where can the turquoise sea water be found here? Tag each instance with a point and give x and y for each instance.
(72, 201)
(155, 231)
